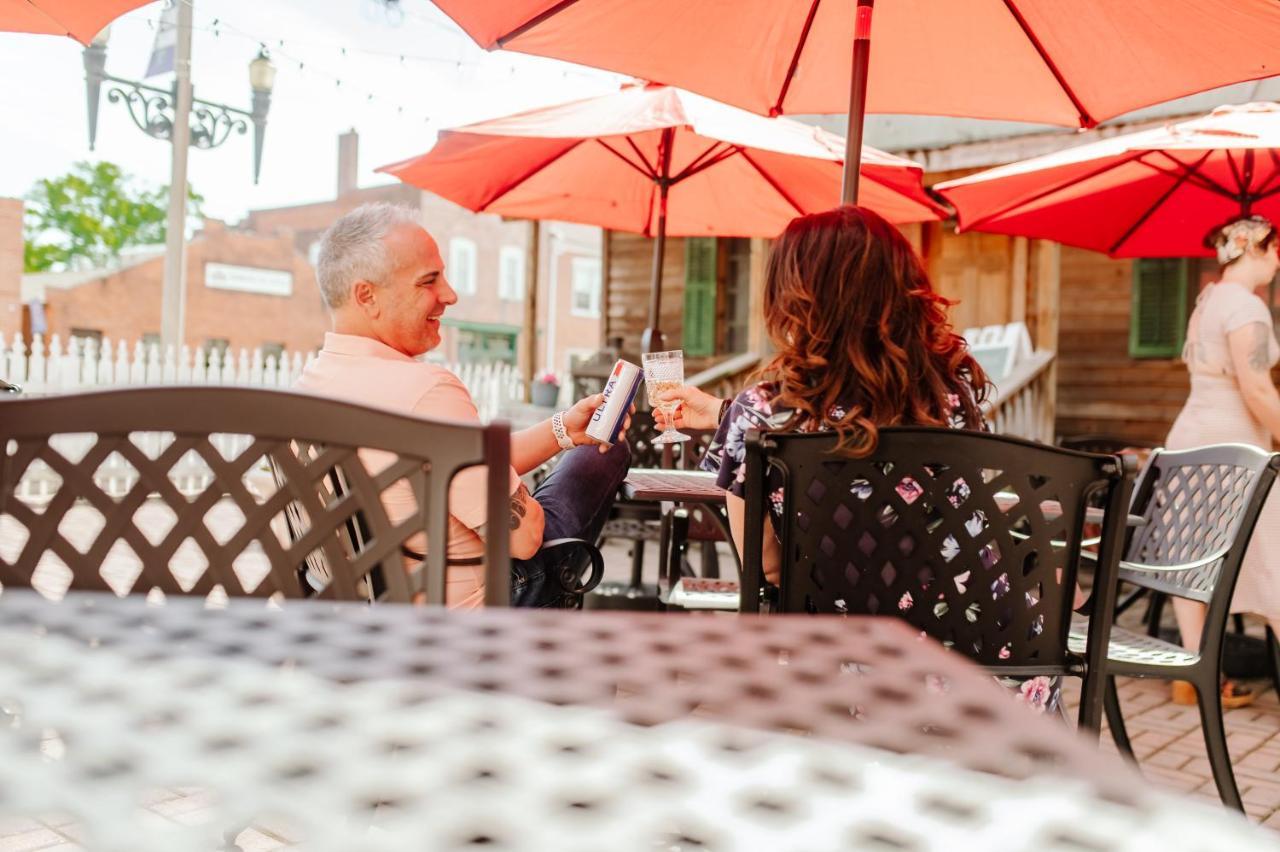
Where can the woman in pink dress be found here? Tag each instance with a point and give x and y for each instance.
(1230, 350)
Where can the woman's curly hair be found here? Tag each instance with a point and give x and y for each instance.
(856, 324)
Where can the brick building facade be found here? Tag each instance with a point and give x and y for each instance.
(224, 266)
(486, 257)
(10, 266)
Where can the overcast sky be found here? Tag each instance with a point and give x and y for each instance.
(43, 116)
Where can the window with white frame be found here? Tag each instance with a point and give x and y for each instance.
(585, 292)
(462, 265)
(511, 273)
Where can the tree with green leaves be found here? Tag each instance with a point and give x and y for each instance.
(87, 216)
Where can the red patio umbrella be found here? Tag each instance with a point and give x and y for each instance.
(656, 160)
(1155, 193)
(80, 19)
(1067, 62)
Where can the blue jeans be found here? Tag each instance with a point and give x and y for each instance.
(576, 498)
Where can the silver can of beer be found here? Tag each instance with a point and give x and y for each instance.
(619, 393)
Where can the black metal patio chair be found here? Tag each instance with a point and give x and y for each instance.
(1200, 507)
(915, 530)
(216, 437)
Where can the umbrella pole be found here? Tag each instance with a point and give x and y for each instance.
(653, 339)
(857, 102)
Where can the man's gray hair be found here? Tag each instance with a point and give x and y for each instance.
(353, 249)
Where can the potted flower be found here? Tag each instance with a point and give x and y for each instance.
(546, 390)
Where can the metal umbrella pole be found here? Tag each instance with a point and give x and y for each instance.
(857, 102)
(653, 339)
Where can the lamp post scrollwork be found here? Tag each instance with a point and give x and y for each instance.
(152, 108)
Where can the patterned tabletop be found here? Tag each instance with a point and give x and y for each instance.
(384, 727)
(692, 486)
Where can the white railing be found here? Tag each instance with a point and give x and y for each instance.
(1023, 402)
(725, 378)
(83, 365)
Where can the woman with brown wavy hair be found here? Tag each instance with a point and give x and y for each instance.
(862, 342)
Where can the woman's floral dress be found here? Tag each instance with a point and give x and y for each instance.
(756, 408)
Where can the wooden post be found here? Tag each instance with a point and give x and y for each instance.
(1047, 269)
(606, 272)
(530, 330)
(1018, 283)
(757, 338)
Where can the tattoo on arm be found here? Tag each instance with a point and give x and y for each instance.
(518, 509)
(1260, 354)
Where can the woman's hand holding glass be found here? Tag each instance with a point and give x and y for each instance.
(696, 409)
(664, 371)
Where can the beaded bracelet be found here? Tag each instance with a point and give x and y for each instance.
(561, 433)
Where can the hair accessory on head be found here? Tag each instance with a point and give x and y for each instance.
(1232, 240)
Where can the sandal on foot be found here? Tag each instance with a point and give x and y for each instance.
(1233, 694)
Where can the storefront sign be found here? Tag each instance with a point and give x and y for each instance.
(248, 279)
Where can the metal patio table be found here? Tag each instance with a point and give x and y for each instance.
(668, 488)
(393, 727)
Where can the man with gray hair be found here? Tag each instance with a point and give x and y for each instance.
(383, 281)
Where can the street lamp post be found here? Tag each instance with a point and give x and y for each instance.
(180, 118)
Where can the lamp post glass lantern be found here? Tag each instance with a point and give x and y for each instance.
(178, 117)
(262, 79)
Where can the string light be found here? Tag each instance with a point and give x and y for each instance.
(400, 56)
(218, 27)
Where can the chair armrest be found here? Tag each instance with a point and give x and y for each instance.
(1174, 569)
(567, 575)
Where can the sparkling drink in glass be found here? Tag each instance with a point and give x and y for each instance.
(664, 371)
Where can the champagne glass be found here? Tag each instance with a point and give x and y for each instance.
(664, 371)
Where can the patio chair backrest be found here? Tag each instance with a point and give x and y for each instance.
(914, 530)
(200, 496)
(1200, 507)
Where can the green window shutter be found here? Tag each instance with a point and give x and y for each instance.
(1158, 319)
(699, 296)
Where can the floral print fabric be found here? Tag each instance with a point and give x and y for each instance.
(756, 407)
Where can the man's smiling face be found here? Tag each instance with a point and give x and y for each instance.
(415, 293)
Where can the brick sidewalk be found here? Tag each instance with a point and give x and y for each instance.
(1170, 748)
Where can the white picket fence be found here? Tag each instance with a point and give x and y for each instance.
(83, 365)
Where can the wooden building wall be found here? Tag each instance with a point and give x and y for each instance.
(628, 273)
(1101, 389)
(994, 279)
(627, 277)
(976, 271)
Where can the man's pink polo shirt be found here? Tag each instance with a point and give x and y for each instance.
(368, 372)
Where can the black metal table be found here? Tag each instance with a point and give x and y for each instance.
(670, 488)
(392, 727)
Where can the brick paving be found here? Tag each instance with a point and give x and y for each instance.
(1166, 739)
(1170, 748)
